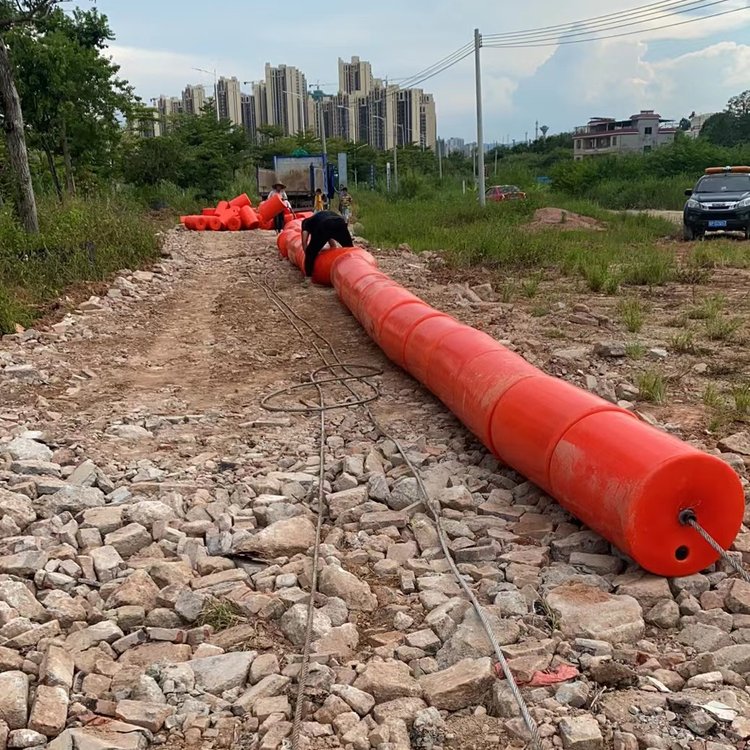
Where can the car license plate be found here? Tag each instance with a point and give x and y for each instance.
(717, 223)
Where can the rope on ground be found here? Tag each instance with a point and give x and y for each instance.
(434, 510)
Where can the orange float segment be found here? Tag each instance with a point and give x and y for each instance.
(630, 482)
(222, 206)
(213, 223)
(421, 341)
(230, 220)
(248, 218)
(377, 301)
(240, 201)
(208, 211)
(531, 417)
(480, 384)
(271, 207)
(450, 355)
(328, 257)
(398, 324)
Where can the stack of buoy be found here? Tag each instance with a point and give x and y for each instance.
(239, 214)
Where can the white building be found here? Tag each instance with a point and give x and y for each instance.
(286, 99)
(230, 100)
(193, 99)
(639, 134)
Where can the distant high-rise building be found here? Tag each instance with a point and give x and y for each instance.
(455, 145)
(230, 100)
(355, 77)
(427, 121)
(169, 105)
(408, 110)
(193, 100)
(249, 121)
(365, 109)
(286, 98)
(260, 104)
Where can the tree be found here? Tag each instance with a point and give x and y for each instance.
(18, 14)
(739, 105)
(198, 152)
(70, 92)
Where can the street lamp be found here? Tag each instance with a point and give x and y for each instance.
(216, 90)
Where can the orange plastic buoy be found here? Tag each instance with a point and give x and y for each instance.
(525, 438)
(271, 207)
(222, 206)
(399, 323)
(182, 219)
(328, 258)
(630, 482)
(248, 218)
(196, 223)
(208, 211)
(230, 220)
(240, 201)
(213, 223)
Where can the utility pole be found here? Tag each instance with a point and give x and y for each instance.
(440, 158)
(480, 134)
(536, 130)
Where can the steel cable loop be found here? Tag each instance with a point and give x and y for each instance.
(290, 313)
(315, 383)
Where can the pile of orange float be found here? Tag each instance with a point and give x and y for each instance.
(626, 480)
(238, 214)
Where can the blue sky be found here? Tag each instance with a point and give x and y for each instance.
(693, 67)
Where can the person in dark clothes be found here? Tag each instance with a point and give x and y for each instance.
(325, 227)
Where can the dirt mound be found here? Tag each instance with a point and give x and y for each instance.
(561, 219)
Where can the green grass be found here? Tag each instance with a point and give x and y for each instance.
(721, 328)
(741, 398)
(496, 235)
(632, 312)
(530, 286)
(683, 343)
(84, 240)
(708, 308)
(652, 387)
(220, 615)
(711, 397)
(635, 350)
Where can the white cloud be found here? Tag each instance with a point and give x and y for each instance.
(674, 70)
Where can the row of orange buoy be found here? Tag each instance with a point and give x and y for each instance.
(626, 480)
(238, 214)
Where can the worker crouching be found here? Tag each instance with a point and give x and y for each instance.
(325, 227)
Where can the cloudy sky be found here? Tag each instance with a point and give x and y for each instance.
(677, 70)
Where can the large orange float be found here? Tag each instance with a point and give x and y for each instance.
(621, 477)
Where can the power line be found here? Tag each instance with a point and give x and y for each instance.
(558, 41)
(643, 11)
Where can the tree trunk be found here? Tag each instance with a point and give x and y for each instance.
(70, 183)
(53, 172)
(19, 157)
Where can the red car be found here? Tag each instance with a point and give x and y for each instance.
(505, 193)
